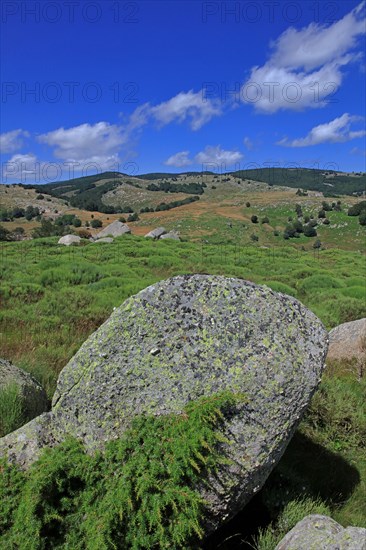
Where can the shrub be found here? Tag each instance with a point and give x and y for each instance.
(298, 226)
(310, 231)
(254, 219)
(356, 209)
(247, 204)
(122, 219)
(265, 220)
(133, 217)
(84, 233)
(362, 218)
(96, 223)
(326, 206)
(4, 234)
(40, 197)
(140, 493)
(254, 237)
(326, 221)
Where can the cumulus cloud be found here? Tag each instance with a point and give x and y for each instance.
(12, 141)
(305, 67)
(87, 143)
(179, 159)
(192, 106)
(21, 168)
(217, 155)
(337, 130)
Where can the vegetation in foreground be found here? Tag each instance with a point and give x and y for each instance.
(140, 493)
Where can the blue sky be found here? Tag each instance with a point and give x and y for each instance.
(156, 86)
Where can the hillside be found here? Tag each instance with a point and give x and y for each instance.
(218, 209)
(330, 183)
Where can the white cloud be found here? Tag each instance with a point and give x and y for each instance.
(21, 168)
(187, 105)
(336, 131)
(305, 68)
(217, 155)
(87, 144)
(179, 159)
(12, 141)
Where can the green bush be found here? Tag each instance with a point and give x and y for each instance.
(140, 493)
(96, 223)
(357, 208)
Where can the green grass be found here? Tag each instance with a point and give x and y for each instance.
(52, 297)
(140, 493)
(11, 413)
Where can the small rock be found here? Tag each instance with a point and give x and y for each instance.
(156, 233)
(114, 229)
(323, 533)
(67, 240)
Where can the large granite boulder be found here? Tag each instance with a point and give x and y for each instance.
(114, 229)
(67, 240)
(176, 341)
(32, 396)
(317, 532)
(348, 340)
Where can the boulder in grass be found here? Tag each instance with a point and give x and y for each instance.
(156, 233)
(171, 235)
(323, 533)
(114, 229)
(67, 240)
(348, 340)
(174, 342)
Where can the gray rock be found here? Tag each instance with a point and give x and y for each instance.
(183, 338)
(114, 229)
(67, 240)
(317, 532)
(171, 235)
(156, 233)
(348, 340)
(104, 240)
(33, 397)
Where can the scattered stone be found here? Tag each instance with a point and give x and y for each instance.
(114, 229)
(156, 233)
(213, 334)
(323, 533)
(33, 398)
(67, 240)
(171, 235)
